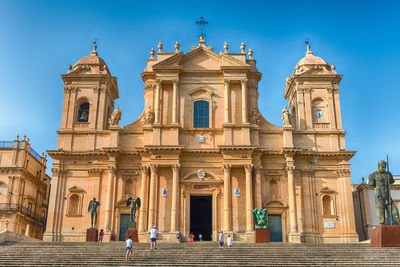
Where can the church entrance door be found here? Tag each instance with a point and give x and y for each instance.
(201, 216)
(275, 230)
(123, 226)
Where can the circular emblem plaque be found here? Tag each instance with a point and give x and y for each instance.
(201, 139)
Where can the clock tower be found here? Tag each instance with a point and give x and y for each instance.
(313, 95)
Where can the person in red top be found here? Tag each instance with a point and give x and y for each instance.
(101, 235)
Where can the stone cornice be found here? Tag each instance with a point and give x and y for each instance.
(236, 148)
(156, 148)
(22, 172)
(60, 154)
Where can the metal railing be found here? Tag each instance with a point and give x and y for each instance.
(24, 210)
(6, 143)
(34, 154)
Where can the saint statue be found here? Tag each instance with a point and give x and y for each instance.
(260, 218)
(254, 117)
(285, 117)
(148, 116)
(115, 117)
(132, 203)
(381, 180)
(93, 204)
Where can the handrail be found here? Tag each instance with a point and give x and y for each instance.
(24, 210)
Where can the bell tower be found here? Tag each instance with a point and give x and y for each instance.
(313, 95)
(89, 94)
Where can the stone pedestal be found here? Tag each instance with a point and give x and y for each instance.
(386, 236)
(261, 236)
(133, 233)
(92, 235)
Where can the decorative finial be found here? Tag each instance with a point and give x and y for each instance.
(24, 137)
(94, 52)
(17, 137)
(160, 46)
(152, 53)
(250, 53)
(27, 140)
(333, 67)
(309, 50)
(69, 68)
(226, 47)
(242, 47)
(177, 45)
(202, 42)
(363, 180)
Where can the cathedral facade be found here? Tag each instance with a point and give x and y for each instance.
(201, 157)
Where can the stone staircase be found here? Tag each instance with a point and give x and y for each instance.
(192, 254)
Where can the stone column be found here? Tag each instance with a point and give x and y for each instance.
(293, 235)
(244, 101)
(248, 168)
(227, 99)
(157, 103)
(144, 198)
(175, 197)
(308, 109)
(174, 101)
(258, 188)
(152, 195)
(331, 116)
(110, 183)
(227, 198)
(337, 108)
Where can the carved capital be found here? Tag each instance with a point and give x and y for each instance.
(153, 167)
(159, 82)
(343, 172)
(290, 168)
(175, 81)
(112, 169)
(243, 81)
(307, 90)
(176, 167)
(248, 167)
(144, 169)
(226, 168)
(149, 86)
(94, 171)
(227, 81)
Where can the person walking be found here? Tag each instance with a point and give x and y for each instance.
(221, 239)
(191, 238)
(153, 238)
(128, 247)
(229, 240)
(101, 235)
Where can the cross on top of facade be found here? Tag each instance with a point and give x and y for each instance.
(202, 27)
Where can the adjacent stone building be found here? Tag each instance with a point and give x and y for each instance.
(201, 156)
(24, 189)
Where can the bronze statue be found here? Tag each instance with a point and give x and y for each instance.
(381, 180)
(93, 204)
(260, 218)
(132, 203)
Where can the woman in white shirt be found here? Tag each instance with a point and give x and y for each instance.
(229, 241)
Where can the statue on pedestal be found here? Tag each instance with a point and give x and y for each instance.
(381, 180)
(132, 203)
(115, 117)
(260, 218)
(285, 117)
(92, 208)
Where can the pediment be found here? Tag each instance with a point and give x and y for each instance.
(275, 203)
(199, 59)
(195, 177)
(76, 189)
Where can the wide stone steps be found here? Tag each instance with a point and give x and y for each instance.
(198, 253)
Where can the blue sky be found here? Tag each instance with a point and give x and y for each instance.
(39, 39)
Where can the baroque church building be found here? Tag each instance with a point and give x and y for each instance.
(201, 157)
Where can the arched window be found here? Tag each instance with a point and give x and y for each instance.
(201, 114)
(83, 112)
(327, 205)
(73, 207)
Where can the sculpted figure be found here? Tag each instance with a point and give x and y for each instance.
(132, 203)
(254, 117)
(93, 204)
(381, 180)
(260, 218)
(148, 116)
(115, 117)
(285, 117)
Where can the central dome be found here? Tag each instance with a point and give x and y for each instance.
(308, 62)
(93, 60)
